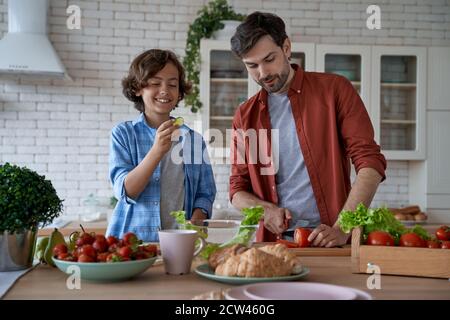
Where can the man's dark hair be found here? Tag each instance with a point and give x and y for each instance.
(255, 26)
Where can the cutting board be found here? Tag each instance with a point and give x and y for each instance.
(315, 251)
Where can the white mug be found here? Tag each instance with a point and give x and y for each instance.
(177, 249)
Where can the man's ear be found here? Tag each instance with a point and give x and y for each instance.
(138, 93)
(287, 47)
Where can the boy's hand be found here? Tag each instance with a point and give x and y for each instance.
(163, 139)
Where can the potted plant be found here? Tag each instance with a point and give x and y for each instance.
(26, 200)
(210, 19)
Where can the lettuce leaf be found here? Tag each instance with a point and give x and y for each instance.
(180, 218)
(371, 220)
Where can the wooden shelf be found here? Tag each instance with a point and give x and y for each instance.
(390, 121)
(398, 85)
(229, 80)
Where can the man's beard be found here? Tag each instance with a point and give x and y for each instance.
(280, 80)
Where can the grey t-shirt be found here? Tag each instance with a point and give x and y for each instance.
(172, 190)
(292, 179)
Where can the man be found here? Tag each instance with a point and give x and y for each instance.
(322, 124)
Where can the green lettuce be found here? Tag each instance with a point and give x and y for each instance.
(371, 220)
(180, 218)
(376, 219)
(245, 232)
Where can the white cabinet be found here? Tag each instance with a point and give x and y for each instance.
(398, 101)
(439, 79)
(352, 62)
(225, 84)
(429, 180)
(390, 80)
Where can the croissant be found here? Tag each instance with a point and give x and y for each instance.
(223, 254)
(254, 263)
(288, 257)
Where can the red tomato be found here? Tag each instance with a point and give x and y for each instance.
(130, 238)
(59, 248)
(85, 238)
(432, 244)
(100, 245)
(380, 238)
(111, 240)
(443, 233)
(113, 257)
(151, 248)
(301, 237)
(125, 252)
(411, 240)
(445, 245)
(142, 255)
(85, 258)
(88, 250)
(101, 257)
(100, 237)
(62, 256)
(288, 244)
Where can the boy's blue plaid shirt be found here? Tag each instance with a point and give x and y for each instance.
(130, 142)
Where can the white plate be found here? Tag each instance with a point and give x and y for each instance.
(238, 293)
(298, 291)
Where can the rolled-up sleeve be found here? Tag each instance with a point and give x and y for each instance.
(206, 192)
(356, 129)
(120, 163)
(239, 177)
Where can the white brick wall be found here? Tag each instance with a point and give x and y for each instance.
(61, 128)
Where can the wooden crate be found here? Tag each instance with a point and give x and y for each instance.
(420, 262)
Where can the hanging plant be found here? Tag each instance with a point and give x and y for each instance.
(208, 21)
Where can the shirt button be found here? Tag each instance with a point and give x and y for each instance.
(157, 179)
(156, 203)
(298, 91)
(273, 187)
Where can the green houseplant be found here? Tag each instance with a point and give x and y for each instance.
(26, 200)
(208, 21)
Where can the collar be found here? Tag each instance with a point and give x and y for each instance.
(294, 88)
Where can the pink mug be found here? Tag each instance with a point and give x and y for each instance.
(178, 249)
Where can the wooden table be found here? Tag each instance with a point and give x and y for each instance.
(49, 283)
(97, 227)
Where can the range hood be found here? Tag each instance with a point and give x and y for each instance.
(26, 49)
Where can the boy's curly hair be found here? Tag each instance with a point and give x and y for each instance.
(145, 66)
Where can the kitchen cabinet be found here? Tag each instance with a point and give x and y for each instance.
(398, 101)
(435, 172)
(225, 84)
(352, 62)
(390, 80)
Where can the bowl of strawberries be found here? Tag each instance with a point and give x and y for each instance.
(103, 259)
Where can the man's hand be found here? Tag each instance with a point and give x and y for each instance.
(276, 220)
(325, 236)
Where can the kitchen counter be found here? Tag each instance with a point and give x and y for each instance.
(45, 282)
